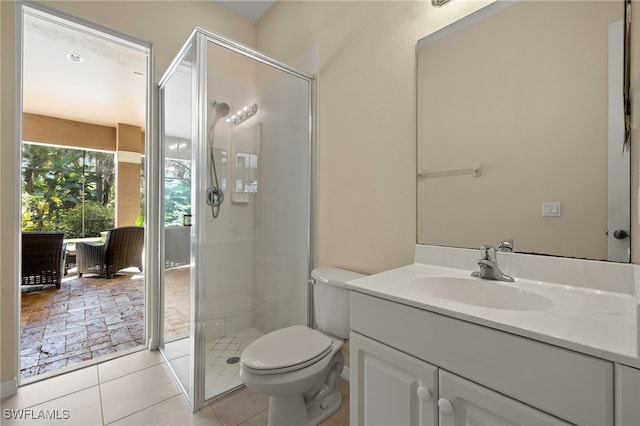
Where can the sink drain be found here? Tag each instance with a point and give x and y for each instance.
(233, 360)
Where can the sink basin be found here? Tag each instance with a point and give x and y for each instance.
(481, 292)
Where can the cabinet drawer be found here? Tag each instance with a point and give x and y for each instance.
(572, 386)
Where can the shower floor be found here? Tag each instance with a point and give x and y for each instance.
(221, 372)
(220, 376)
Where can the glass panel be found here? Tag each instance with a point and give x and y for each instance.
(257, 246)
(177, 137)
(66, 189)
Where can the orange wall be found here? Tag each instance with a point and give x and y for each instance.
(129, 138)
(57, 131)
(128, 175)
(128, 189)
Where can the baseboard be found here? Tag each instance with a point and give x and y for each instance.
(8, 388)
(346, 373)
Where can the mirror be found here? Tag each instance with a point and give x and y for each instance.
(246, 169)
(246, 146)
(521, 130)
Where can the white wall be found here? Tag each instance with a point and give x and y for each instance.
(367, 125)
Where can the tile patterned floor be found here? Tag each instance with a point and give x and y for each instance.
(93, 316)
(220, 374)
(177, 295)
(85, 318)
(136, 389)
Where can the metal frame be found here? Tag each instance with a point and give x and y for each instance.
(158, 191)
(626, 145)
(197, 329)
(42, 11)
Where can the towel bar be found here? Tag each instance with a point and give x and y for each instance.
(476, 171)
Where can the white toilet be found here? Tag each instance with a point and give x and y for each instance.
(298, 366)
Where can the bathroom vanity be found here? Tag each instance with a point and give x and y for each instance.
(558, 346)
(432, 345)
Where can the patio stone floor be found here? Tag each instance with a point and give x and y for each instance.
(85, 318)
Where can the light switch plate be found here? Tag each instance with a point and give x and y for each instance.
(551, 208)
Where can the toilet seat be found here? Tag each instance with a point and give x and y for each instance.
(288, 349)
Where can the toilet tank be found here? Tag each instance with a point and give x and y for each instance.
(331, 299)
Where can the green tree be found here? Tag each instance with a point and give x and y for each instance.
(58, 180)
(177, 191)
(97, 218)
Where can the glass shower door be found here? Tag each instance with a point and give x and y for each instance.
(255, 261)
(177, 137)
(236, 191)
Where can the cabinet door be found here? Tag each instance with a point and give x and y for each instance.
(627, 396)
(389, 387)
(463, 402)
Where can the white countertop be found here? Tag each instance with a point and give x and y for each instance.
(595, 322)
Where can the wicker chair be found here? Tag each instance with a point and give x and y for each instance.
(43, 256)
(121, 249)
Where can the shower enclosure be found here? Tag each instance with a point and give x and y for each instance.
(236, 184)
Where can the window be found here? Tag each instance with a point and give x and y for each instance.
(67, 189)
(177, 193)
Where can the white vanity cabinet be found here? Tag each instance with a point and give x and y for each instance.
(392, 387)
(489, 376)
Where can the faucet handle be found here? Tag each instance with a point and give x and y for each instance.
(506, 245)
(487, 252)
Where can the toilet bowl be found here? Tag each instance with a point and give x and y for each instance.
(297, 366)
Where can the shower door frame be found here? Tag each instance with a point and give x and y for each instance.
(197, 44)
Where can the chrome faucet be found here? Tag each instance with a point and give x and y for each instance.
(506, 245)
(489, 266)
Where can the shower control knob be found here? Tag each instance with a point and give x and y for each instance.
(445, 405)
(424, 394)
(215, 196)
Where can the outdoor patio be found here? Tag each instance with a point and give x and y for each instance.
(94, 316)
(86, 318)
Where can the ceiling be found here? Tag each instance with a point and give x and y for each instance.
(252, 10)
(108, 85)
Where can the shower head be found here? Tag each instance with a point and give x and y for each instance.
(222, 109)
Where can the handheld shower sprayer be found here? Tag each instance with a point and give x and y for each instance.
(215, 195)
(221, 109)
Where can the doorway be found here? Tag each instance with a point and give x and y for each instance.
(84, 115)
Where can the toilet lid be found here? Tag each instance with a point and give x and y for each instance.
(287, 349)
